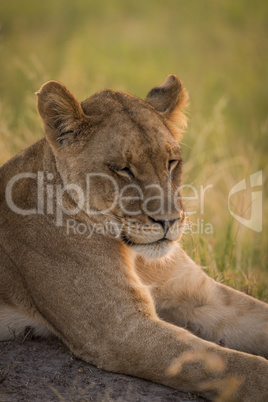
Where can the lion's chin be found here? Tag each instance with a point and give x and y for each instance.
(156, 250)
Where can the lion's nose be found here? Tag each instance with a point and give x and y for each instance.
(166, 224)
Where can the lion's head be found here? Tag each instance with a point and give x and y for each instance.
(120, 160)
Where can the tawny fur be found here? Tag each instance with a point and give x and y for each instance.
(132, 304)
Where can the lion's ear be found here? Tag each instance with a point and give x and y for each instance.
(61, 113)
(170, 99)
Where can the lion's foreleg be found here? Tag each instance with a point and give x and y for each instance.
(163, 353)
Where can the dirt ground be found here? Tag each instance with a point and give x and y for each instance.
(38, 370)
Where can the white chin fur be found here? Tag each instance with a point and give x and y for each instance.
(155, 251)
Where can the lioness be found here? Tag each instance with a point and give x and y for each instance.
(90, 218)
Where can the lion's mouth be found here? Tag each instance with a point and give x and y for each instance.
(131, 243)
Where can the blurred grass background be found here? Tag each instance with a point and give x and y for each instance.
(220, 51)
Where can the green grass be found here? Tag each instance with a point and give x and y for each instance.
(219, 49)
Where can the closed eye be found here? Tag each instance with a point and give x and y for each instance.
(126, 172)
(171, 165)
